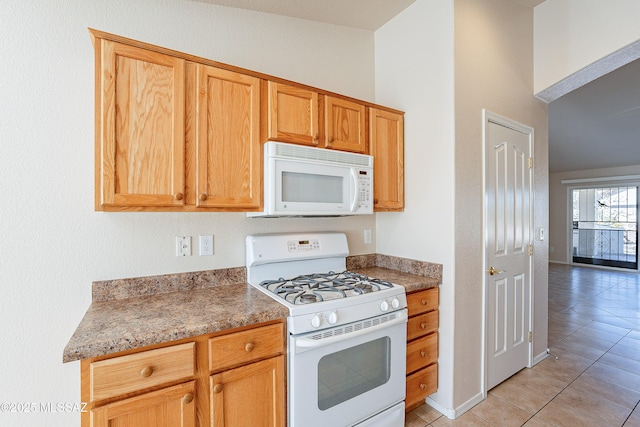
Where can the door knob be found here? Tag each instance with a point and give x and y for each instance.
(493, 271)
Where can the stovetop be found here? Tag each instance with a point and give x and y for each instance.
(320, 287)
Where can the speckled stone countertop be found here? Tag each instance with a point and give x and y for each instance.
(411, 282)
(132, 313)
(118, 325)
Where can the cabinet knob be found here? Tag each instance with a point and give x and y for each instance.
(331, 139)
(203, 197)
(146, 371)
(315, 137)
(423, 386)
(249, 347)
(178, 196)
(187, 398)
(217, 388)
(424, 301)
(423, 353)
(423, 325)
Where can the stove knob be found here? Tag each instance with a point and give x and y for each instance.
(333, 318)
(316, 321)
(384, 306)
(395, 303)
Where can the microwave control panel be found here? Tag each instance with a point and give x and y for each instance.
(365, 189)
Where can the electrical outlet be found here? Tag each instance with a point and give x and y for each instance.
(206, 245)
(183, 246)
(367, 237)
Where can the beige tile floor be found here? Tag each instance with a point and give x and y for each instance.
(594, 329)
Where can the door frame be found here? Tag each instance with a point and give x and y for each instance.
(487, 117)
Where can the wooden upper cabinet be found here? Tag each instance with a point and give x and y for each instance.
(345, 127)
(292, 114)
(228, 159)
(139, 127)
(386, 139)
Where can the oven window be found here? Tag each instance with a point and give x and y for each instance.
(307, 187)
(351, 372)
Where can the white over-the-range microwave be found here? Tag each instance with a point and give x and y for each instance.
(309, 181)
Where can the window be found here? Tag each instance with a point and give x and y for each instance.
(605, 226)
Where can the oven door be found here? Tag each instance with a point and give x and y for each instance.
(342, 376)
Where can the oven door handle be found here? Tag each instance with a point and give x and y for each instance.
(306, 342)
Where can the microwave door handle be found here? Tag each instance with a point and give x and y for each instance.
(354, 182)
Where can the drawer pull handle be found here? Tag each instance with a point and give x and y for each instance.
(249, 347)
(187, 398)
(217, 388)
(424, 301)
(423, 386)
(146, 371)
(423, 353)
(423, 325)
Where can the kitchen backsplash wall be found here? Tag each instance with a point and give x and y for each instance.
(117, 289)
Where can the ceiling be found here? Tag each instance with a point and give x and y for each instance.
(364, 14)
(594, 126)
(598, 124)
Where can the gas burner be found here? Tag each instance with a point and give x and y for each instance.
(308, 298)
(365, 288)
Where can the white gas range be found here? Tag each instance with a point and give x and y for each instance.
(347, 332)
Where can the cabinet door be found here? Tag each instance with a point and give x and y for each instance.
(345, 125)
(252, 395)
(386, 134)
(292, 114)
(169, 407)
(228, 161)
(140, 152)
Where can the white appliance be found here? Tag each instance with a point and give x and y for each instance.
(346, 331)
(309, 181)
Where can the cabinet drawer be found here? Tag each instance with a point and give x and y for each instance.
(125, 374)
(424, 324)
(422, 352)
(243, 347)
(421, 384)
(423, 301)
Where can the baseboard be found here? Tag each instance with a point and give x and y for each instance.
(455, 413)
(539, 358)
(559, 262)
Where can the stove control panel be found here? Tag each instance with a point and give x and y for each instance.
(303, 245)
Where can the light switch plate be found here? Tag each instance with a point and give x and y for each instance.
(183, 246)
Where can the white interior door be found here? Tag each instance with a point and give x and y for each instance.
(508, 228)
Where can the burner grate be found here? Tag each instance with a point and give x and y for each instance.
(318, 287)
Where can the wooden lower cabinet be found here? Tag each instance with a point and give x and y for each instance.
(252, 395)
(234, 378)
(169, 407)
(422, 347)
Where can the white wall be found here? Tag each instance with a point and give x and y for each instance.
(493, 70)
(53, 243)
(417, 45)
(572, 34)
(559, 203)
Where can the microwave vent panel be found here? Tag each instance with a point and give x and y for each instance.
(323, 155)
